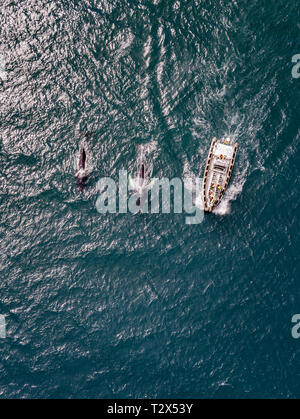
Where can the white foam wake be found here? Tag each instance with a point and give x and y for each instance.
(234, 189)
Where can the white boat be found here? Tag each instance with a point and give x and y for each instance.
(218, 170)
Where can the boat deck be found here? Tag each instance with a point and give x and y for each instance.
(218, 171)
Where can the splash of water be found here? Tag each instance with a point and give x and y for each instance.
(231, 194)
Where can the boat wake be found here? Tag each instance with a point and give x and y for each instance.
(234, 189)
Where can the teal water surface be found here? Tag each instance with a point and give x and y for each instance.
(145, 306)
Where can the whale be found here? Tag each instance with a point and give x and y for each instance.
(82, 172)
(143, 177)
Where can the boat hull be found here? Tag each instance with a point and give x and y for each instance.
(218, 171)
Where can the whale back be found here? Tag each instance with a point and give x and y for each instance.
(82, 159)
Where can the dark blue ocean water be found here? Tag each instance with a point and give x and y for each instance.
(128, 306)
